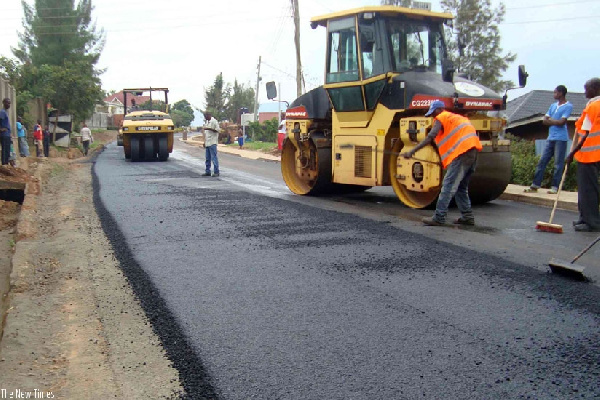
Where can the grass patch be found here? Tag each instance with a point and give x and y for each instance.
(257, 146)
(57, 170)
(93, 145)
(60, 150)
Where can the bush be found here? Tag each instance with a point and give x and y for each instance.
(524, 162)
(266, 132)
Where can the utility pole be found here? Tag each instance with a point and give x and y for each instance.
(297, 42)
(278, 104)
(258, 78)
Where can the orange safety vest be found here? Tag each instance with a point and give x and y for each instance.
(590, 151)
(457, 137)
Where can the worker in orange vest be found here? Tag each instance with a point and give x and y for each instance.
(458, 144)
(587, 154)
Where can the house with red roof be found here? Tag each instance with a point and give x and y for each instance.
(114, 102)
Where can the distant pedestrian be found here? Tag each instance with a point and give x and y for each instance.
(86, 139)
(38, 138)
(556, 144)
(22, 138)
(211, 138)
(587, 154)
(5, 133)
(458, 144)
(46, 139)
(240, 139)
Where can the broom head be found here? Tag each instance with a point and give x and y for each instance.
(568, 269)
(548, 227)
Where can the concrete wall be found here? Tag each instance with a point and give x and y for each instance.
(37, 111)
(7, 90)
(98, 120)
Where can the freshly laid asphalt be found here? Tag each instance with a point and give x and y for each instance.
(566, 200)
(259, 297)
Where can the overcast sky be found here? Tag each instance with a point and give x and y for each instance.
(184, 44)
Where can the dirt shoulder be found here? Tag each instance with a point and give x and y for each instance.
(73, 327)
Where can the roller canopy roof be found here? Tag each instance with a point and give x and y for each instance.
(388, 11)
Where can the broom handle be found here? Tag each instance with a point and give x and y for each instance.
(586, 249)
(558, 193)
(573, 145)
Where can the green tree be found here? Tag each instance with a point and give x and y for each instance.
(57, 54)
(70, 88)
(217, 97)
(181, 118)
(241, 96)
(265, 132)
(182, 113)
(184, 106)
(10, 70)
(474, 44)
(56, 31)
(155, 105)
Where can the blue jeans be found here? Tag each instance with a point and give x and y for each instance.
(6, 141)
(211, 156)
(456, 184)
(558, 150)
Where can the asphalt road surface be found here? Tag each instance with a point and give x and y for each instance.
(258, 293)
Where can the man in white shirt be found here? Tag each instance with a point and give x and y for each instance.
(211, 138)
(86, 138)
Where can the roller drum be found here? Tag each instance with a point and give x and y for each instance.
(308, 173)
(491, 177)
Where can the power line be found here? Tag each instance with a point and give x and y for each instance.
(549, 20)
(130, 28)
(546, 5)
(281, 26)
(279, 70)
(129, 20)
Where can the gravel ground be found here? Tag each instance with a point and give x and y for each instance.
(74, 327)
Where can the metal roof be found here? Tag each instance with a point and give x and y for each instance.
(533, 106)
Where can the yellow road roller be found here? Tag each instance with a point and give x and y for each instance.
(384, 67)
(147, 134)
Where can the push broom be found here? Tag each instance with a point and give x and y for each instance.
(570, 268)
(549, 226)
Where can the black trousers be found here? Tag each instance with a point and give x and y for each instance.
(46, 147)
(5, 149)
(588, 193)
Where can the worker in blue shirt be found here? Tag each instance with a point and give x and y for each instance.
(22, 138)
(556, 144)
(5, 134)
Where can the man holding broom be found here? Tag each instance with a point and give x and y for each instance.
(458, 144)
(587, 154)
